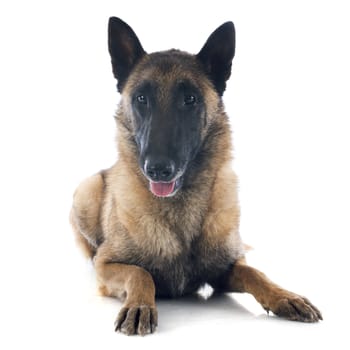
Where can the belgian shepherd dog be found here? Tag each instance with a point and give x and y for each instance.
(164, 219)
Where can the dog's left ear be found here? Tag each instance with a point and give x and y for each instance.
(217, 54)
(125, 49)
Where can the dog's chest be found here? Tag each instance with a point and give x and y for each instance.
(197, 264)
(176, 251)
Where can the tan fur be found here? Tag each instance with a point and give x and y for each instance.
(85, 213)
(271, 296)
(120, 205)
(131, 234)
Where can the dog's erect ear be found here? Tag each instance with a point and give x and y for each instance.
(125, 49)
(217, 54)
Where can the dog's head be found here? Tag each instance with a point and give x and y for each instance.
(169, 98)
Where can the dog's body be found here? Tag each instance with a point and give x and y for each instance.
(164, 220)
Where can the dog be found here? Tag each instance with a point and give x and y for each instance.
(164, 220)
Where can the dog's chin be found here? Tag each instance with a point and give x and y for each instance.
(165, 189)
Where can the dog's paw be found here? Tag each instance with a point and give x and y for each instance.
(294, 307)
(139, 319)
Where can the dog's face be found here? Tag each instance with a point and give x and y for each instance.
(168, 97)
(167, 106)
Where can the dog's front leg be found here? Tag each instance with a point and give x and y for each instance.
(134, 284)
(243, 278)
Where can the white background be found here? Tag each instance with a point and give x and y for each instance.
(288, 99)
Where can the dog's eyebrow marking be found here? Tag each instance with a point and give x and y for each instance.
(187, 84)
(145, 86)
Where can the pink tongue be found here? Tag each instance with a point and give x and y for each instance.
(162, 189)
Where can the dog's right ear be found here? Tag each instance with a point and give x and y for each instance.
(125, 49)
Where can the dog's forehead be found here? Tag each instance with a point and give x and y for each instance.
(165, 69)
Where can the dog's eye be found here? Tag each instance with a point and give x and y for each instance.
(189, 100)
(141, 99)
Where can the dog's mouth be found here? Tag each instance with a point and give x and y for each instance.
(165, 189)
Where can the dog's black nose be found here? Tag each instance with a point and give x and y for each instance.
(159, 169)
